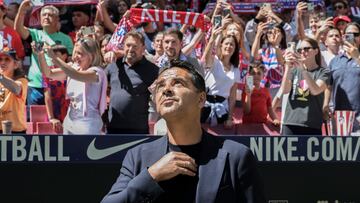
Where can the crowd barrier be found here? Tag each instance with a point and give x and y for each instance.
(47, 168)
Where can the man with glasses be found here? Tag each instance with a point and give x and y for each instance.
(345, 75)
(341, 8)
(188, 164)
(49, 17)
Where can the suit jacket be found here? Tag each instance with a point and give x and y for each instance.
(227, 173)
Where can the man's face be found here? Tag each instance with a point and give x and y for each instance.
(333, 38)
(176, 95)
(79, 19)
(11, 11)
(340, 9)
(172, 46)
(49, 19)
(133, 49)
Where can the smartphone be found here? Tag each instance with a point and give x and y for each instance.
(310, 7)
(217, 21)
(271, 25)
(250, 81)
(88, 30)
(267, 6)
(291, 47)
(39, 46)
(350, 38)
(226, 12)
(37, 2)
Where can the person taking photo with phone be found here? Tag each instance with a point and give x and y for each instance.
(305, 81)
(345, 75)
(49, 34)
(221, 77)
(86, 85)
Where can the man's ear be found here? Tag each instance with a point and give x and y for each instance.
(202, 99)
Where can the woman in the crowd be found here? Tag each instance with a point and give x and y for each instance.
(104, 40)
(86, 86)
(221, 76)
(305, 81)
(268, 48)
(13, 90)
(158, 47)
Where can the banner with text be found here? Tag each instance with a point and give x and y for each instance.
(112, 149)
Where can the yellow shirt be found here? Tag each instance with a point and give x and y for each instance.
(12, 107)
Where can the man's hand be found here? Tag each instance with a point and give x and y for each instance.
(25, 6)
(110, 57)
(171, 165)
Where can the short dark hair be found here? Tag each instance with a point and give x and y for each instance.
(196, 78)
(60, 48)
(137, 35)
(173, 31)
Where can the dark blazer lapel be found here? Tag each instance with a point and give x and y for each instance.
(210, 170)
(156, 151)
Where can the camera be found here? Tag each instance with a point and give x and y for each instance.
(39, 46)
(350, 38)
(226, 12)
(217, 21)
(88, 30)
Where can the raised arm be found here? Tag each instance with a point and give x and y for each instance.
(108, 23)
(194, 41)
(19, 19)
(10, 84)
(300, 9)
(256, 45)
(286, 80)
(208, 57)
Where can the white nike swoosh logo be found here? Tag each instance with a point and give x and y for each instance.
(95, 154)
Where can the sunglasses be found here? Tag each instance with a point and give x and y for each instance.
(306, 49)
(356, 34)
(338, 7)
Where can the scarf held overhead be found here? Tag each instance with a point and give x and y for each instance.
(139, 15)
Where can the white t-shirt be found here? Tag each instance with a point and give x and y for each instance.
(219, 82)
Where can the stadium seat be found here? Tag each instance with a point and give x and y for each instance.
(38, 113)
(45, 128)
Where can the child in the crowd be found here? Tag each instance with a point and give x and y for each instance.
(257, 100)
(55, 91)
(13, 91)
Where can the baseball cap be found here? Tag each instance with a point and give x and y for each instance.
(343, 18)
(8, 52)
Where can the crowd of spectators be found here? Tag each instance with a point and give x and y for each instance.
(303, 62)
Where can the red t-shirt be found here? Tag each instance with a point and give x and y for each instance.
(260, 101)
(12, 40)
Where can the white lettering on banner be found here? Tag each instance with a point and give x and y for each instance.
(187, 17)
(344, 150)
(48, 157)
(4, 140)
(166, 18)
(256, 147)
(175, 19)
(195, 18)
(292, 148)
(279, 149)
(312, 141)
(315, 149)
(157, 15)
(61, 156)
(37, 151)
(18, 145)
(148, 15)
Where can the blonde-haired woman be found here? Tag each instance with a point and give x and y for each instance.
(86, 86)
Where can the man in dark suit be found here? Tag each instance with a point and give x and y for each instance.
(187, 165)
